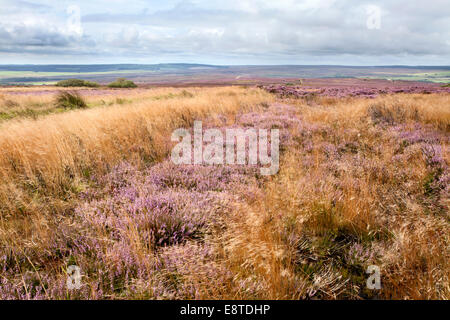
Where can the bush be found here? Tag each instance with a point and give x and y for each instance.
(70, 100)
(122, 83)
(76, 83)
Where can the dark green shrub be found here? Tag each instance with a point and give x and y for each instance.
(76, 83)
(122, 83)
(70, 100)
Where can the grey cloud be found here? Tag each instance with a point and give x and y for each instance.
(31, 36)
(268, 30)
(22, 6)
(339, 28)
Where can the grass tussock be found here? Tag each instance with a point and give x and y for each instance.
(70, 100)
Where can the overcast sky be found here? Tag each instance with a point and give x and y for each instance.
(227, 32)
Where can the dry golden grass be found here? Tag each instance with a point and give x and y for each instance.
(287, 239)
(44, 162)
(432, 109)
(282, 238)
(37, 102)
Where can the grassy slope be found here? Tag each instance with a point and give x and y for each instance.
(28, 105)
(81, 141)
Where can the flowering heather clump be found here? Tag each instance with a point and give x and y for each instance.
(269, 120)
(31, 286)
(342, 92)
(331, 151)
(199, 178)
(160, 218)
(431, 147)
(357, 254)
(443, 184)
(417, 135)
(166, 203)
(433, 156)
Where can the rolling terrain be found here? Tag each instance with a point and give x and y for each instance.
(170, 74)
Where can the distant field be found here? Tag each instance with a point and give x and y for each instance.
(34, 74)
(38, 78)
(187, 73)
(440, 77)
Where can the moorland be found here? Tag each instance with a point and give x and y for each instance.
(86, 180)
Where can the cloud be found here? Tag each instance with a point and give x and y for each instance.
(283, 31)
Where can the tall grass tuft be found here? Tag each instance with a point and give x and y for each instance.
(70, 100)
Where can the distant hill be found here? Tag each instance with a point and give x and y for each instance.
(100, 67)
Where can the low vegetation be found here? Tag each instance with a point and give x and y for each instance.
(76, 83)
(361, 182)
(289, 90)
(122, 83)
(70, 100)
(36, 102)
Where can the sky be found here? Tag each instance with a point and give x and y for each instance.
(231, 32)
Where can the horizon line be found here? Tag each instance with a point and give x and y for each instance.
(221, 65)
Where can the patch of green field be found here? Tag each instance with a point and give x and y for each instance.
(438, 77)
(39, 78)
(33, 74)
(40, 83)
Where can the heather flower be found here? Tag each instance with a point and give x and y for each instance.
(198, 177)
(433, 155)
(357, 254)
